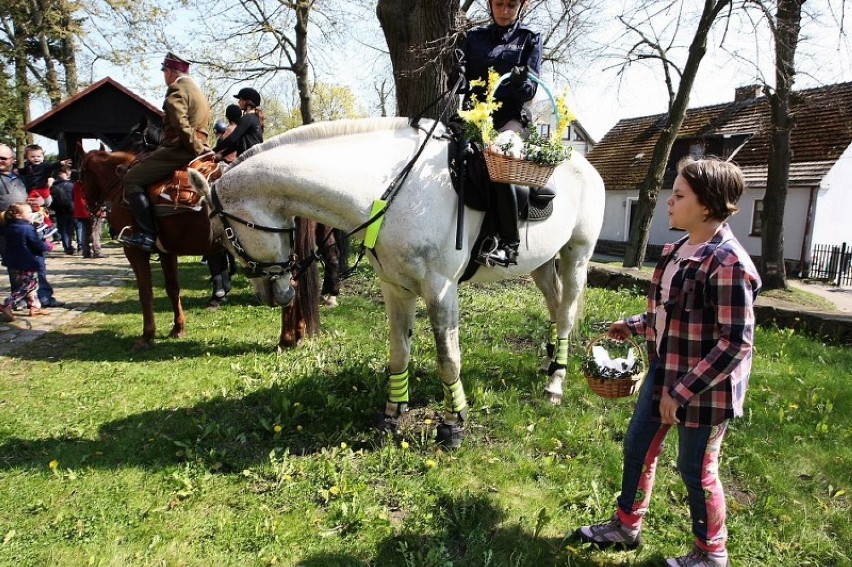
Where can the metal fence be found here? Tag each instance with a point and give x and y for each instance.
(832, 264)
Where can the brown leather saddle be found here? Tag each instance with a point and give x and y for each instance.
(176, 192)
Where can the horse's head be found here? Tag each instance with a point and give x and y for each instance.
(144, 137)
(100, 175)
(262, 243)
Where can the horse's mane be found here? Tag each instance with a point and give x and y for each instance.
(320, 130)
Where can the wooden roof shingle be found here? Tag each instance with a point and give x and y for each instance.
(822, 131)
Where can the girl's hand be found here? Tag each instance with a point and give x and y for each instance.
(668, 409)
(619, 331)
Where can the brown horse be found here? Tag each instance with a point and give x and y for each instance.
(186, 234)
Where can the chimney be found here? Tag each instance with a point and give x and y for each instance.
(748, 92)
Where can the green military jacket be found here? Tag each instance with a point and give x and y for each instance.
(187, 116)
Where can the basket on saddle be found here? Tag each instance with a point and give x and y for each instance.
(613, 377)
(507, 169)
(177, 191)
(508, 158)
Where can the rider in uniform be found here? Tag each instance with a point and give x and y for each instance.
(508, 46)
(187, 114)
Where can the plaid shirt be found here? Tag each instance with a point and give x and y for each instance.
(704, 355)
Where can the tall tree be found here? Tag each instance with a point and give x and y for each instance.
(786, 26)
(421, 34)
(649, 47)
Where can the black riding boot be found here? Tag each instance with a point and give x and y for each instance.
(145, 235)
(505, 252)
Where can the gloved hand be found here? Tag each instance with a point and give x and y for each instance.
(519, 76)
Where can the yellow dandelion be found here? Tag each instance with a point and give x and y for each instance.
(54, 464)
(427, 421)
(343, 445)
(403, 444)
(334, 490)
(297, 404)
(430, 464)
(299, 428)
(277, 428)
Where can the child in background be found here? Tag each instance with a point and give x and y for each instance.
(23, 250)
(63, 207)
(699, 327)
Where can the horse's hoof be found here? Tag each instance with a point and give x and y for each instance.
(555, 399)
(450, 436)
(387, 424)
(142, 345)
(328, 300)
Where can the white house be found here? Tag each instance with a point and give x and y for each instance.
(545, 121)
(819, 196)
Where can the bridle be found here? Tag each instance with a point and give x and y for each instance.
(253, 268)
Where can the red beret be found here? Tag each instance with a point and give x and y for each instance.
(172, 61)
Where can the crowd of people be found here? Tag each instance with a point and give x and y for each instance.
(58, 214)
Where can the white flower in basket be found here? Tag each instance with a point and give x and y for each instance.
(509, 143)
(600, 363)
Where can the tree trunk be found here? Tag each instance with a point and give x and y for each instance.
(787, 27)
(634, 255)
(418, 34)
(68, 47)
(303, 83)
(51, 77)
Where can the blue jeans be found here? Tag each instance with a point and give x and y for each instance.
(697, 462)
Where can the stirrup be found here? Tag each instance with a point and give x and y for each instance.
(489, 246)
(144, 241)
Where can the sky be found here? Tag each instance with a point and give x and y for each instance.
(598, 95)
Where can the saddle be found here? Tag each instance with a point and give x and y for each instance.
(176, 193)
(534, 203)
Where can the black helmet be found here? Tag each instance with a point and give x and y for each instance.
(249, 94)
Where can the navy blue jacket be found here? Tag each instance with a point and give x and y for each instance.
(503, 48)
(24, 248)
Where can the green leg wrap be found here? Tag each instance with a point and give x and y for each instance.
(551, 343)
(454, 398)
(561, 352)
(397, 394)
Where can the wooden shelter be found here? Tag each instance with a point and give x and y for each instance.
(106, 111)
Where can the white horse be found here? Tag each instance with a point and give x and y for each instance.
(332, 172)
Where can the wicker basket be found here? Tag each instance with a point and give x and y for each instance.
(507, 169)
(615, 387)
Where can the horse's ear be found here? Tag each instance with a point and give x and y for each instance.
(198, 182)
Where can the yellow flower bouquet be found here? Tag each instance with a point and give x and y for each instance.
(510, 159)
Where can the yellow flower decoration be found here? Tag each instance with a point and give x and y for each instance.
(480, 114)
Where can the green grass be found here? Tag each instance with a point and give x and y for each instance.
(215, 450)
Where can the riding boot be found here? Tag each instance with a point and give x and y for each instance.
(146, 235)
(505, 253)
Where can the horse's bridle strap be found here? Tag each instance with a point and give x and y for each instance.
(253, 269)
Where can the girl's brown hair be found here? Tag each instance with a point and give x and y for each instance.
(717, 184)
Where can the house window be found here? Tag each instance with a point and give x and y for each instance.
(756, 223)
(544, 130)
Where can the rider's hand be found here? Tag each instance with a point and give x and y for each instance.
(519, 76)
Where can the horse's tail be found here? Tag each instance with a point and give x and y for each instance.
(302, 317)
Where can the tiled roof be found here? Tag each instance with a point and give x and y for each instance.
(823, 130)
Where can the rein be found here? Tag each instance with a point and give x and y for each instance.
(274, 270)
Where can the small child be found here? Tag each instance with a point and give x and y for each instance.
(699, 325)
(23, 250)
(38, 177)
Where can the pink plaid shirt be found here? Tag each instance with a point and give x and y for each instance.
(705, 352)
